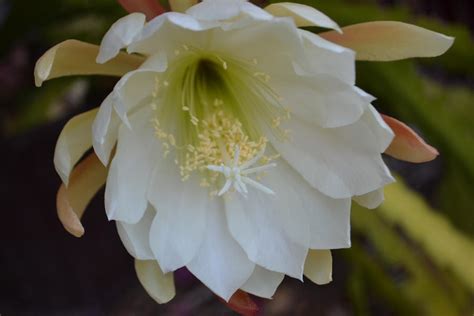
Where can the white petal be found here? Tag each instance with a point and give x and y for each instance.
(158, 285)
(102, 120)
(323, 100)
(328, 218)
(132, 90)
(262, 41)
(75, 139)
(276, 231)
(168, 32)
(105, 130)
(370, 200)
(179, 226)
(220, 263)
(213, 10)
(328, 58)
(272, 229)
(135, 237)
(302, 14)
(318, 266)
(129, 174)
(263, 282)
(255, 12)
(120, 35)
(157, 62)
(382, 132)
(136, 87)
(339, 162)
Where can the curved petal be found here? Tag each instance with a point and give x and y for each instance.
(318, 266)
(220, 263)
(302, 14)
(86, 179)
(105, 130)
(329, 222)
(261, 232)
(73, 57)
(169, 31)
(370, 200)
(181, 5)
(259, 39)
(382, 133)
(136, 237)
(339, 162)
(158, 285)
(75, 139)
(390, 40)
(120, 35)
(263, 282)
(323, 100)
(211, 10)
(328, 58)
(150, 8)
(180, 223)
(129, 174)
(407, 145)
(132, 90)
(276, 230)
(226, 10)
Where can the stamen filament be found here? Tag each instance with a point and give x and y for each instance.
(258, 169)
(257, 185)
(225, 188)
(235, 175)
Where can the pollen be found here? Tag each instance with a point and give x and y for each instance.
(217, 139)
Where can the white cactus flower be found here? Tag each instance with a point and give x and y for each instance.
(240, 140)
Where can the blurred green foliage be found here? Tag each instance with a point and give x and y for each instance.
(415, 259)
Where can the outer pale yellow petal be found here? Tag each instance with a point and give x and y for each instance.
(390, 40)
(86, 179)
(75, 139)
(181, 5)
(318, 266)
(302, 14)
(158, 285)
(73, 57)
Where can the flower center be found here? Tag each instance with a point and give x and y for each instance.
(210, 107)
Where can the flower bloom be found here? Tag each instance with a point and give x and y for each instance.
(235, 141)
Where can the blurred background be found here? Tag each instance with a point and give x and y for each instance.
(412, 256)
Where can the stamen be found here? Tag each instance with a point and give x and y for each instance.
(258, 186)
(226, 187)
(235, 175)
(259, 169)
(224, 63)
